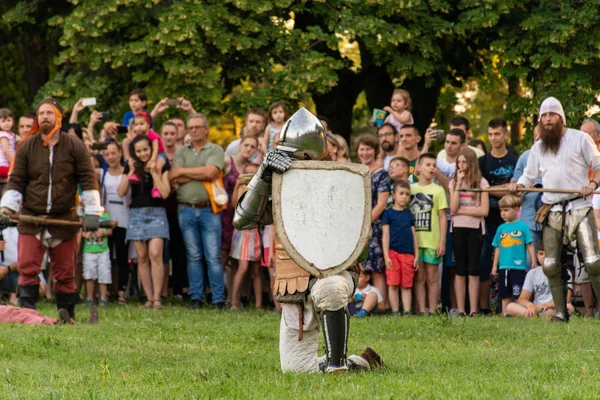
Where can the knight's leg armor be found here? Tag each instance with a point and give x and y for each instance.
(554, 271)
(588, 244)
(336, 325)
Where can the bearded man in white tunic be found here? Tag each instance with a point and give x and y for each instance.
(563, 158)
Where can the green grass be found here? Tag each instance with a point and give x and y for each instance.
(177, 353)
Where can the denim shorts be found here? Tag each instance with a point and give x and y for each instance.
(147, 223)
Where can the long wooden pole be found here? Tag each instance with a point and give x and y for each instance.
(30, 219)
(528, 190)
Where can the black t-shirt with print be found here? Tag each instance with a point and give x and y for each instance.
(497, 171)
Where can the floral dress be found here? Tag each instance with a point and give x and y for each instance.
(229, 181)
(380, 182)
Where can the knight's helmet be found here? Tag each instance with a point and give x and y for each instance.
(303, 137)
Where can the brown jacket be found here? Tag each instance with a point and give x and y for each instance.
(33, 175)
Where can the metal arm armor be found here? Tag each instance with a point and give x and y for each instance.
(254, 207)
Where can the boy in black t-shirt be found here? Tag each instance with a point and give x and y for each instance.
(497, 167)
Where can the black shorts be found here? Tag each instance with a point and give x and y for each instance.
(510, 283)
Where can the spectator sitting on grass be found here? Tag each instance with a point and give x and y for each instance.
(367, 298)
(535, 299)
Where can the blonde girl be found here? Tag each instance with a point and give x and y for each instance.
(399, 109)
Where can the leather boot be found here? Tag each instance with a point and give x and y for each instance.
(68, 302)
(28, 295)
(335, 330)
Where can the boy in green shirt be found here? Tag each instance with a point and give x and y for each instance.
(428, 204)
(96, 262)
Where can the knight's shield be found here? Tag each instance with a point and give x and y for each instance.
(322, 214)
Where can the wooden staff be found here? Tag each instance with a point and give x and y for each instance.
(30, 219)
(528, 190)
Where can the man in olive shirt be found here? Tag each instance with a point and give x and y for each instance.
(200, 227)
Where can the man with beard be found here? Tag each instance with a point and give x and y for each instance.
(47, 169)
(388, 140)
(562, 157)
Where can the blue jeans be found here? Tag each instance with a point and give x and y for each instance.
(201, 231)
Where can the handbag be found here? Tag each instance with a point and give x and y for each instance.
(217, 194)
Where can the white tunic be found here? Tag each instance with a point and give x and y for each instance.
(567, 169)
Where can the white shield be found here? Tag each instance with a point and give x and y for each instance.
(322, 213)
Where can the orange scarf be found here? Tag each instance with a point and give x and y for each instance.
(36, 127)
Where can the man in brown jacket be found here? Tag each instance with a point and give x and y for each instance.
(47, 169)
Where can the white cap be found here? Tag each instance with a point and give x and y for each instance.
(551, 104)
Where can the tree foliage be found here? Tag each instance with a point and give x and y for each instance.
(227, 56)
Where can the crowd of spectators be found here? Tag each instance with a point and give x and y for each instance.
(433, 245)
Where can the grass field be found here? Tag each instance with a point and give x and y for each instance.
(177, 353)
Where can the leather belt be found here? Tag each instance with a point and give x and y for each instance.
(203, 204)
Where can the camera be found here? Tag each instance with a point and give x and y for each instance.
(173, 102)
(439, 134)
(122, 129)
(105, 116)
(100, 146)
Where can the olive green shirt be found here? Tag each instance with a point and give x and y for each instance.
(186, 157)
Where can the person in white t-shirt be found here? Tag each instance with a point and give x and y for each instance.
(445, 169)
(463, 124)
(536, 299)
(366, 297)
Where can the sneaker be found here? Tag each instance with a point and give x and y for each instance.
(362, 313)
(406, 314)
(219, 306)
(195, 304)
(372, 358)
(89, 302)
(103, 303)
(453, 312)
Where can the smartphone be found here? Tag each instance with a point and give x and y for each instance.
(89, 101)
(439, 134)
(99, 146)
(122, 129)
(173, 102)
(105, 116)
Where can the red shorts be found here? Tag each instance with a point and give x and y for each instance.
(403, 270)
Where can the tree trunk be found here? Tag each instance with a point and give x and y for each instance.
(424, 100)
(36, 66)
(516, 126)
(338, 104)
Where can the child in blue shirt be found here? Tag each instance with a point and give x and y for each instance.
(512, 242)
(137, 102)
